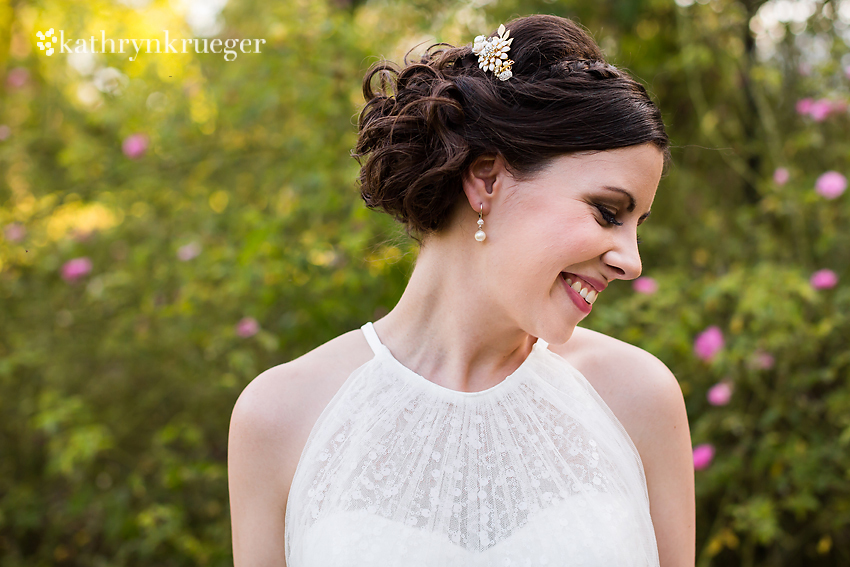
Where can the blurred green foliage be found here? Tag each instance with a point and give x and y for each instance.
(228, 237)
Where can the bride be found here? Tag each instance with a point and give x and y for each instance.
(476, 423)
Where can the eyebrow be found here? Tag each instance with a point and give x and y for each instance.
(632, 204)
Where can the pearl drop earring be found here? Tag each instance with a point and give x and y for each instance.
(480, 236)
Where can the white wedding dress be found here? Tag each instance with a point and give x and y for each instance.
(401, 472)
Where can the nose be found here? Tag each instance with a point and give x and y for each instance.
(623, 258)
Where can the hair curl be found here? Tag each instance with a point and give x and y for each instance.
(424, 125)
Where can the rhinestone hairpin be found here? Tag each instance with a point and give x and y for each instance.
(492, 53)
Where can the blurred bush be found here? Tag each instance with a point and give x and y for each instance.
(174, 225)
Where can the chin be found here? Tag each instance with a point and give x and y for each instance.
(558, 335)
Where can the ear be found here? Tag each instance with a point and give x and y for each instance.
(483, 179)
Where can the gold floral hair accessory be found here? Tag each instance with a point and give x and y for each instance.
(492, 53)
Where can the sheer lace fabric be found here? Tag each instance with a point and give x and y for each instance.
(536, 470)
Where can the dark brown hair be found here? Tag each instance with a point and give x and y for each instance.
(424, 125)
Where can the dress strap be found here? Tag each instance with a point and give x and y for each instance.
(372, 337)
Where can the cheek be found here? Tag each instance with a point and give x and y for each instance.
(542, 243)
(578, 240)
(522, 269)
(585, 243)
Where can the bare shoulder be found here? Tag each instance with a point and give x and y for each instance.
(296, 385)
(635, 384)
(602, 351)
(271, 421)
(282, 404)
(647, 399)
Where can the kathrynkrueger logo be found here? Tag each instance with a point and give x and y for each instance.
(134, 46)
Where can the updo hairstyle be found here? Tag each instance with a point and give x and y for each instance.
(424, 125)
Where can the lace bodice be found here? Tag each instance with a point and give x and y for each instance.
(537, 470)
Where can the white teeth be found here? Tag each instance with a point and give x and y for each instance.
(588, 294)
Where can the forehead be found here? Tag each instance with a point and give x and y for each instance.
(644, 161)
(635, 169)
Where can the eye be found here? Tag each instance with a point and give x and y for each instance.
(608, 216)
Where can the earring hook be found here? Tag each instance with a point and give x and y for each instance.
(480, 236)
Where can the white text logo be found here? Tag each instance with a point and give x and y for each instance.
(151, 45)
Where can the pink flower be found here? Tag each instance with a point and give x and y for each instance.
(14, 232)
(189, 251)
(781, 176)
(645, 285)
(708, 343)
(5, 132)
(74, 269)
(823, 279)
(719, 394)
(703, 455)
(804, 106)
(17, 77)
(763, 360)
(247, 327)
(135, 146)
(820, 109)
(831, 184)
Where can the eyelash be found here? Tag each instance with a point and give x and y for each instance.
(610, 218)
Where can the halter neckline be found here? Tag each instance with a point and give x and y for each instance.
(380, 349)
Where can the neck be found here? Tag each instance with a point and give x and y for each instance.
(447, 328)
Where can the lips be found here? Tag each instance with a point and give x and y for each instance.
(580, 302)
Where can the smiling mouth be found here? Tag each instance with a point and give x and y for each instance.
(580, 287)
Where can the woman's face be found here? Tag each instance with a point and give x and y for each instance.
(575, 221)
